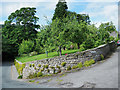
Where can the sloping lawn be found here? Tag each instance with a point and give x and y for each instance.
(43, 56)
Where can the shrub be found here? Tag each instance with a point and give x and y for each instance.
(19, 67)
(52, 67)
(33, 65)
(46, 66)
(23, 65)
(54, 70)
(31, 80)
(39, 65)
(48, 70)
(33, 53)
(63, 64)
(30, 65)
(20, 76)
(102, 57)
(35, 75)
(86, 63)
(25, 47)
(58, 67)
(39, 74)
(68, 68)
(35, 68)
(92, 61)
(79, 65)
(82, 47)
(42, 69)
(74, 67)
(20, 71)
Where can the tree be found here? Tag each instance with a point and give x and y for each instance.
(26, 47)
(108, 27)
(79, 17)
(60, 10)
(75, 31)
(20, 25)
(57, 33)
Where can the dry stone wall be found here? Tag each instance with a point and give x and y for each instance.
(53, 65)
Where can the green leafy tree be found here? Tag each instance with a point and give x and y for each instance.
(79, 17)
(57, 33)
(26, 47)
(60, 10)
(75, 31)
(20, 25)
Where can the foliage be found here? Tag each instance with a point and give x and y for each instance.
(33, 53)
(39, 74)
(60, 10)
(79, 65)
(89, 63)
(19, 67)
(46, 66)
(39, 65)
(58, 67)
(74, 67)
(26, 47)
(31, 80)
(20, 76)
(30, 65)
(102, 57)
(33, 65)
(63, 64)
(68, 68)
(20, 25)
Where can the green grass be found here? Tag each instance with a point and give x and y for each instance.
(43, 56)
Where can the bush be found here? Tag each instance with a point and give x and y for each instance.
(33, 65)
(39, 74)
(79, 65)
(63, 64)
(89, 43)
(25, 47)
(20, 76)
(58, 67)
(39, 65)
(42, 69)
(86, 63)
(82, 47)
(46, 66)
(35, 68)
(20, 70)
(48, 70)
(97, 43)
(19, 67)
(68, 68)
(30, 65)
(33, 53)
(102, 57)
(35, 75)
(92, 61)
(74, 67)
(52, 67)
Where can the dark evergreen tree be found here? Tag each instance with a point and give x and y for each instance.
(61, 10)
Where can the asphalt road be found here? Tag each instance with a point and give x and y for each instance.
(103, 75)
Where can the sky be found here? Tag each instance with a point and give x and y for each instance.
(100, 11)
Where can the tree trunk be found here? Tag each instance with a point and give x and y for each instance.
(60, 50)
(78, 44)
(64, 47)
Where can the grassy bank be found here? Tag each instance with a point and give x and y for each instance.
(43, 56)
